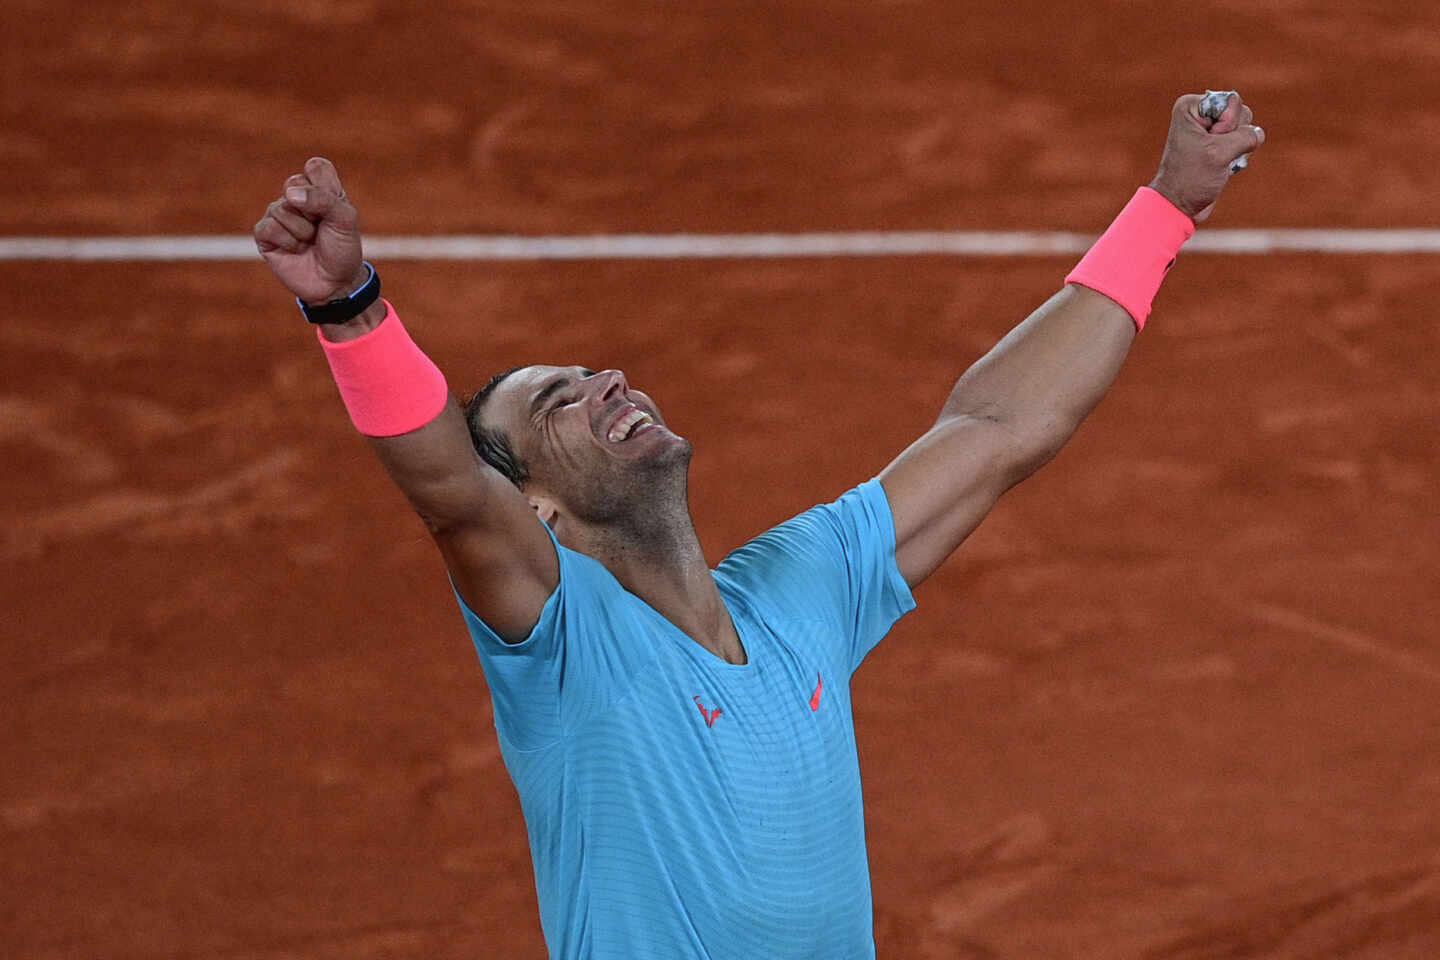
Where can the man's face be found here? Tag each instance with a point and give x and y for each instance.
(591, 442)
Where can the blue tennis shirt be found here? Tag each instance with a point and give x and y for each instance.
(679, 806)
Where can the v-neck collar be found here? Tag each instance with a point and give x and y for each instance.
(730, 600)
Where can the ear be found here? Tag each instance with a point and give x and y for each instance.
(544, 508)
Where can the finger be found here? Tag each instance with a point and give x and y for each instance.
(1189, 106)
(322, 173)
(1229, 147)
(317, 203)
(292, 220)
(271, 236)
(295, 192)
(1229, 118)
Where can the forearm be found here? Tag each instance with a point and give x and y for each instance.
(1046, 375)
(1015, 407)
(499, 557)
(439, 472)
(398, 399)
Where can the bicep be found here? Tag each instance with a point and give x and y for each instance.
(496, 550)
(942, 486)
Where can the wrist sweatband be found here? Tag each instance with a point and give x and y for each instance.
(1130, 259)
(389, 386)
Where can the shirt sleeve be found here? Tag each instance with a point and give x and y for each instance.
(540, 685)
(834, 563)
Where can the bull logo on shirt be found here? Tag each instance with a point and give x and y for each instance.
(709, 715)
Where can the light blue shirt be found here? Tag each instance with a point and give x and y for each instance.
(679, 806)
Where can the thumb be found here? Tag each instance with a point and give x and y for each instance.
(322, 203)
(1238, 142)
(322, 173)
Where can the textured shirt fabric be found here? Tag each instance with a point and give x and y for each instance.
(679, 806)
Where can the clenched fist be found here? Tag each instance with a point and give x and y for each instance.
(1200, 151)
(310, 236)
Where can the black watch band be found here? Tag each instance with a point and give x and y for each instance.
(345, 308)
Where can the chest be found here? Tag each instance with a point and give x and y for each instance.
(774, 734)
(738, 785)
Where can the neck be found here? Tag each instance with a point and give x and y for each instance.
(656, 555)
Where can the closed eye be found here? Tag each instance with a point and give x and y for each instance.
(554, 396)
(546, 399)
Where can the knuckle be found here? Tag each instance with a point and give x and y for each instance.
(277, 240)
(275, 232)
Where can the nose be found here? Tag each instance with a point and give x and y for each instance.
(612, 384)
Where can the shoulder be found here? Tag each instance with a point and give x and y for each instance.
(859, 515)
(585, 593)
(818, 550)
(833, 564)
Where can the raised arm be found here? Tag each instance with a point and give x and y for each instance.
(1015, 407)
(497, 552)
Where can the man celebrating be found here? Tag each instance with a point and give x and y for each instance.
(681, 738)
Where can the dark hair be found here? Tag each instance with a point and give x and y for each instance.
(492, 444)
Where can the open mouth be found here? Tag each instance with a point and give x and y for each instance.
(633, 422)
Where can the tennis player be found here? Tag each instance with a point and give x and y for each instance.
(681, 738)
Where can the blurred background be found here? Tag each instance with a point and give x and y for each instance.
(1176, 699)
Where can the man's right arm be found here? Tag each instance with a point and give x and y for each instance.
(497, 552)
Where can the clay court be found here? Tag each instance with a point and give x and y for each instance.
(1179, 697)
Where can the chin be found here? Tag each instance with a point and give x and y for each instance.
(677, 448)
(669, 459)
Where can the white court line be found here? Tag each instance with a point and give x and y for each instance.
(1352, 640)
(666, 246)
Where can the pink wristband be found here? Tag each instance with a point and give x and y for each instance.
(389, 386)
(1130, 259)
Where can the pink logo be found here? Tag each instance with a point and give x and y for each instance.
(709, 715)
(815, 697)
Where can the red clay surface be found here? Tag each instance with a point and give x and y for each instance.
(1176, 699)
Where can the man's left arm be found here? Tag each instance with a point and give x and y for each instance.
(1014, 409)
